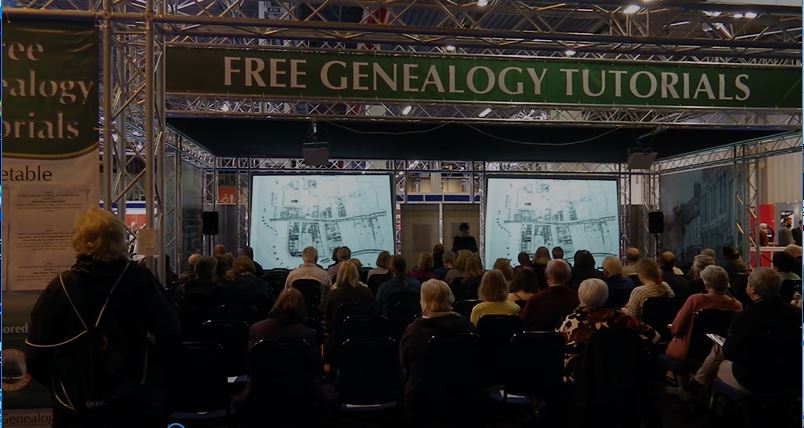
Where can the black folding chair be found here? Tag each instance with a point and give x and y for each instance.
(402, 309)
(495, 332)
(618, 297)
(232, 335)
(789, 288)
(311, 290)
(707, 321)
(368, 374)
(659, 312)
(239, 311)
(464, 307)
(198, 394)
(346, 310)
(364, 271)
(376, 280)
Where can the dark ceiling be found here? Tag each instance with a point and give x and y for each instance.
(451, 141)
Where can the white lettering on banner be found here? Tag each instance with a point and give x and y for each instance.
(470, 80)
(704, 86)
(669, 82)
(276, 72)
(452, 80)
(63, 89)
(295, 73)
(742, 87)
(325, 76)
(686, 85)
(537, 80)
(635, 89)
(568, 74)
(585, 81)
(358, 75)
(228, 69)
(433, 78)
(253, 68)
(390, 80)
(408, 78)
(504, 87)
(618, 83)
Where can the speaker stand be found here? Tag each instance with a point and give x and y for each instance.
(658, 246)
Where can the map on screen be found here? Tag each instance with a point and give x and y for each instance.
(291, 212)
(523, 214)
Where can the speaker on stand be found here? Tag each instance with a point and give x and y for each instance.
(656, 227)
(209, 226)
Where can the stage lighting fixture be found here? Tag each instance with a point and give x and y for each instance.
(314, 151)
(450, 48)
(485, 112)
(482, 3)
(750, 15)
(631, 9)
(406, 110)
(641, 158)
(570, 52)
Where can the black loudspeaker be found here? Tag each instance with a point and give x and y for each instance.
(656, 222)
(209, 219)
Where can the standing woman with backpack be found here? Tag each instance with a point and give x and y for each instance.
(101, 333)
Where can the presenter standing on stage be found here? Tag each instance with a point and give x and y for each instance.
(464, 241)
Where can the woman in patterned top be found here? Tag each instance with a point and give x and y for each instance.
(592, 316)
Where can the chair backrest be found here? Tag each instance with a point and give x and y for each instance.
(789, 288)
(261, 303)
(198, 381)
(232, 335)
(345, 310)
(402, 309)
(618, 297)
(739, 282)
(658, 312)
(635, 278)
(239, 311)
(276, 280)
(449, 369)
(377, 280)
(464, 307)
(368, 371)
(534, 363)
(714, 321)
(364, 271)
(498, 329)
(283, 372)
(311, 290)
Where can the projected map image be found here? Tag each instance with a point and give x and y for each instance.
(291, 212)
(525, 214)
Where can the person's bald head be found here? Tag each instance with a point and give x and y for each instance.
(612, 267)
(667, 260)
(310, 255)
(219, 250)
(191, 261)
(557, 272)
(632, 255)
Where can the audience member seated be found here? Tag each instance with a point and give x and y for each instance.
(222, 267)
(546, 309)
(400, 283)
(504, 265)
(761, 353)
(785, 265)
(733, 263)
(523, 258)
(135, 314)
(793, 250)
(358, 264)
(468, 285)
(716, 281)
(449, 264)
(652, 286)
(437, 319)
(584, 268)
(612, 272)
(201, 291)
(190, 272)
(286, 321)
(249, 252)
(540, 259)
(524, 285)
(558, 253)
(219, 250)
(424, 269)
(243, 281)
(309, 269)
(677, 283)
(347, 289)
(461, 261)
(592, 316)
(382, 265)
(709, 253)
(493, 292)
(631, 259)
(333, 259)
(344, 254)
(696, 286)
(464, 241)
(438, 255)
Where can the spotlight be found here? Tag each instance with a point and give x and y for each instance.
(450, 48)
(631, 9)
(482, 3)
(750, 15)
(738, 16)
(570, 52)
(485, 112)
(406, 110)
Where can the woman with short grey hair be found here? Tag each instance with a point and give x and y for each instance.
(716, 283)
(592, 316)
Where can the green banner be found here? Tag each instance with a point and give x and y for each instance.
(377, 77)
(50, 89)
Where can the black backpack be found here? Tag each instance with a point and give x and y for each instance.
(87, 370)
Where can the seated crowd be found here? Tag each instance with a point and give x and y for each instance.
(318, 317)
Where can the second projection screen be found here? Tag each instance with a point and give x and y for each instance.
(291, 212)
(523, 214)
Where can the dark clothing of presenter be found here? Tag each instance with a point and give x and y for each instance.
(464, 242)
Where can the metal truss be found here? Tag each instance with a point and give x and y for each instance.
(542, 115)
(785, 143)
